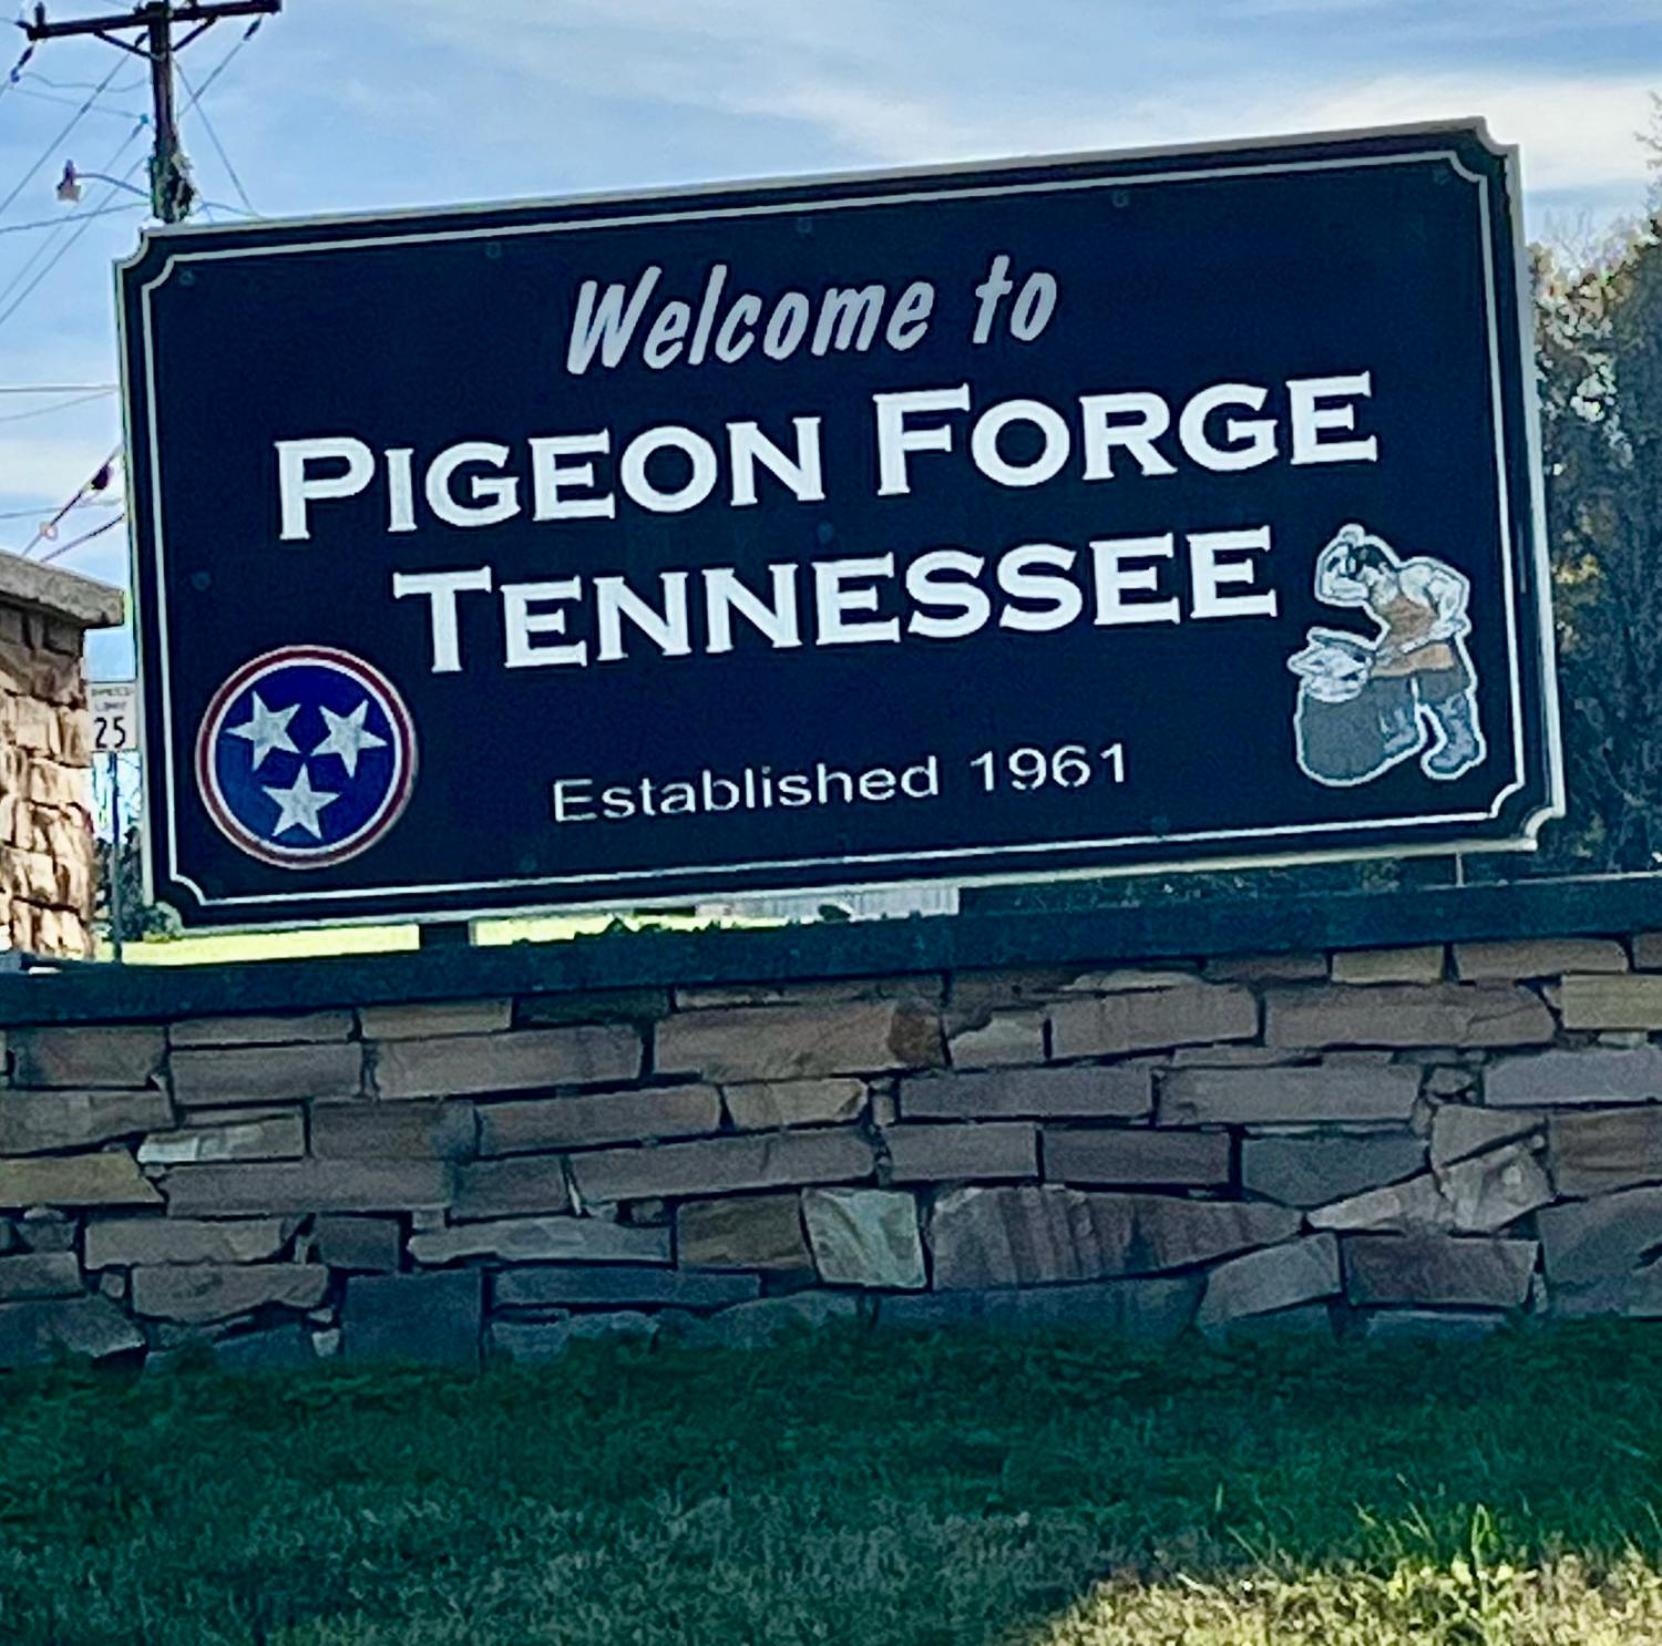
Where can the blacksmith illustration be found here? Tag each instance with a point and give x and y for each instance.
(1368, 703)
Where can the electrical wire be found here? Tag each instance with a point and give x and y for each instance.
(85, 537)
(70, 102)
(56, 406)
(52, 148)
(57, 245)
(10, 82)
(213, 136)
(61, 221)
(98, 482)
(58, 388)
(94, 502)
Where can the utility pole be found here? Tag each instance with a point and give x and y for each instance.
(171, 190)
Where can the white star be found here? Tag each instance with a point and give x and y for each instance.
(268, 730)
(300, 805)
(347, 736)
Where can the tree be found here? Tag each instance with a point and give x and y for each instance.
(1599, 343)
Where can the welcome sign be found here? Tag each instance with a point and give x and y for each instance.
(1141, 510)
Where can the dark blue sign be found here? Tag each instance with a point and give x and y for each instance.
(1142, 510)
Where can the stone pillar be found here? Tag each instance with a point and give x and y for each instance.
(46, 838)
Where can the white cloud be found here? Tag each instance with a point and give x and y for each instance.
(874, 82)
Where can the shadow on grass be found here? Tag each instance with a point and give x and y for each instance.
(943, 1491)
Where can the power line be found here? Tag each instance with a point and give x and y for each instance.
(85, 537)
(57, 245)
(85, 503)
(70, 102)
(59, 388)
(60, 221)
(56, 406)
(213, 136)
(52, 148)
(98, 482)
(10, 82)
(76, 85)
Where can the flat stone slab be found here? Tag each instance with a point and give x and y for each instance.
(522, 1060)
(1598, 1075)
(108, 1178)
(1604, 1002)
(1314, 1171)
(554, 1285)
(34, 1122)
(1186, 1014)
(230, 1075)
(1605, 1149)
(1037, 1235)
(365, 1245)
(505, 1188)
(752, 1232)
(766, 1105)
(1437, 1270)
(1461, 1129)
(87, 1055)
(1409, 1015)
(526, 1125)
(260, 1029)
(1278, 1277)
(1342, 1094)
(39, 1274)
(1586, 1240)
(722, 1165)
(194, 1293)
(798, 1042)
(1479, 1195)
(1084, 1093)
(952, 1153)
(434, 1019)
(1136, 1155)
(268, 1137)
(865, 1237)
(1537, 957)
(542, 1240)
(121, 1242)
(424, 1129)
(306, 1186)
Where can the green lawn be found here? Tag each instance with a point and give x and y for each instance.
(883, 1492)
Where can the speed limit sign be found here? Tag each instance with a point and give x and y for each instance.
(115, 718)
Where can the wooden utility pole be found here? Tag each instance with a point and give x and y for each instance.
(171, 190)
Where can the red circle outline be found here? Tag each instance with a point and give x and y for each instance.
(234, 830)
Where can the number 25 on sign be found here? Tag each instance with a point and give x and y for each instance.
(113, 708)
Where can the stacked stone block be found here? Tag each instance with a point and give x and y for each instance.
(46, 841)
(1378, 1143)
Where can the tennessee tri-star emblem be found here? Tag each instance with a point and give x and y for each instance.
(306, 757)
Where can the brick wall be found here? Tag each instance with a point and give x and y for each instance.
(1369, 1142)
(46, 842)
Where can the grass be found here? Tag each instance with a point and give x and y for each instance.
(924, 1492)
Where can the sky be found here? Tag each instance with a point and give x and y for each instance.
(354, 105)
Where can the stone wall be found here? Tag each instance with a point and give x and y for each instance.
(1376, 1142)
(46, 840)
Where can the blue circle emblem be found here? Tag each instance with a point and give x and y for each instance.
(306, 757)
